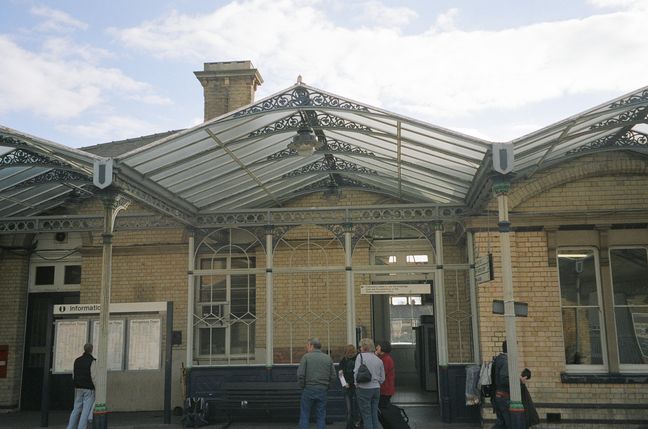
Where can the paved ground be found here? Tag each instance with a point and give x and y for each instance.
(420, 418)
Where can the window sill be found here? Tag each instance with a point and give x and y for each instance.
(609, 378)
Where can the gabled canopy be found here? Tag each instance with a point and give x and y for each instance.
(617, 124)
(242, 160)
(37, 175)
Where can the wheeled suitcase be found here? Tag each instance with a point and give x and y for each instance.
(393, 417)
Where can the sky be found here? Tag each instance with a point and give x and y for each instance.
(80, 73)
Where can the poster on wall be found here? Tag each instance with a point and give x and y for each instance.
(69, 338)
(144, 344)
(640, 322)
(115, 343)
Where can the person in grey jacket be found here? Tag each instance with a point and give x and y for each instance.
(368, 393)
(314, 375)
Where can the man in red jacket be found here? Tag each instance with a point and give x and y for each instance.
(388, 388)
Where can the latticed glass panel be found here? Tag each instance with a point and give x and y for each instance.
(228, 328)
(458, 316)
(309, 293)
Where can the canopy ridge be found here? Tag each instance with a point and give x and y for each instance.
(299, 96)
(323, 120)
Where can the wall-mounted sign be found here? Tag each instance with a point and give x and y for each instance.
(124, 307)
(484, 269)
(395, 289)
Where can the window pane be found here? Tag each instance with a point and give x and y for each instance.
(580, 307)
(629, 276)
(72, 275)
(240, 335)
(243, 302)
(578, 278)
(582, 332)
(630, 283)
(44, 275)
(632, 334)
(211, 341)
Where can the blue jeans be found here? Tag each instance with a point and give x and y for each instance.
(502, 412)
(353, 415)
(368, 404)
(83, 401)
(310, 397)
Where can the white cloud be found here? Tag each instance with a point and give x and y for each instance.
(110, 128)
(59, 82)
(56, 20)
(616, 4)
(386, 16)
(434, 74)
(446, 20)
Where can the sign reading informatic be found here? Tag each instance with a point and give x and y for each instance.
(395, 289)
(484, 269)
(127, 307)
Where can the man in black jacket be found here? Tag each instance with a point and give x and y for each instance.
(84, 389)
(502, 397)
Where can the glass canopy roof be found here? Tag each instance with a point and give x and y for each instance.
(242, 159)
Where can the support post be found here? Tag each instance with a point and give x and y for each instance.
(168, 363)
(501, 188)
(473, 296)
(350, 288)
(113, 204)
(440, 319)
(190, 303)
(269, 298)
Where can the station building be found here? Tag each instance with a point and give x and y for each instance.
(308, 214)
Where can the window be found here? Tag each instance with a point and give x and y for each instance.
(226, 307)
(582, 317)
(629, 268)
(55, 277)
(404, 315)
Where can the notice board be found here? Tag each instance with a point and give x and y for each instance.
(115, 343)
(144, 343)
(69, 338)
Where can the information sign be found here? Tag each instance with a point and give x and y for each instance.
(395, 289)
(484, 269)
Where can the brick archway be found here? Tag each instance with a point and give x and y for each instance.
(606, 164)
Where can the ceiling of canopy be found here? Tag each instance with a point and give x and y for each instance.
(245, 159)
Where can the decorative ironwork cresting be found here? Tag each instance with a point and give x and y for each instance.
(300, 97)
(21, 157)
(628, 139)
(632, 115)
(634, 98)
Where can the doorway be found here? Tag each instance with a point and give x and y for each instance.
(406, 319)
(61, 388)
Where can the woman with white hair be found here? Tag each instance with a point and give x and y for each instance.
(368, 392)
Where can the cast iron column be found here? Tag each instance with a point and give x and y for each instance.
(269, 298)
(113, 204)
(350, 289)
(441, 329)
(500, 189)
(191, 266)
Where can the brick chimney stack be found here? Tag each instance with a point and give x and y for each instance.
(228, 86)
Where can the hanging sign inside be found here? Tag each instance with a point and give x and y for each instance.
(395, 289)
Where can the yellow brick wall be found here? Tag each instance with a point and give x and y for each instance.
(607, 184)
(14, 274)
